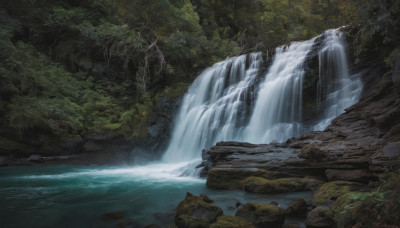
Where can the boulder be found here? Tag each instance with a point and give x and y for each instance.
(225, 221)
(312, 152)
(262, 215)
(231, 178)
(339, 205)
(388, 158)
(193, 211)
(356, 175)
(265, 186)
(297, 208)
(319, 218)
(187, 221)
(333, 190)
(35, 158)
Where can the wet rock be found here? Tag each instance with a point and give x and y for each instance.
(193, 211)
(312, 152)
(4, 161)
(356, 175)
(262, 215)
(265, 186)
(274, 203)
(387, 158)
(206, 199)
(340, 203)
(187, 221)
(333, 190)
(225, 221)
(35, 158)
(297, 208)
(231, 178)
(319, 218)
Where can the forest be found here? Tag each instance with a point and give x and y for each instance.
(78, 68)
(78, 77)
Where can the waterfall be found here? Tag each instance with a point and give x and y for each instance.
(228, 102)
(337, 89)
(277, 113)
(214, 108)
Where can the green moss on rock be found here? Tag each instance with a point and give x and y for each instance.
(231, 178)
(333, 190)
(312, 152)
(187, 221)
(225, 221)
(265, 186)
(196, 211)
(262, 215)
(340, 203)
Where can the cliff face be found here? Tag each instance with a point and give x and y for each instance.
(366, 137)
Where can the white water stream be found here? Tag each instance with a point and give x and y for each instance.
(226, 103)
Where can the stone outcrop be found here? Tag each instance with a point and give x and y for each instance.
(357, 144)
(319, 218)
(262, 215)
(297, 208)
(333, 190)
(225, 221)
(265, 186)
(194, 211)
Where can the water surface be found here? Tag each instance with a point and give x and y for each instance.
(72, 196)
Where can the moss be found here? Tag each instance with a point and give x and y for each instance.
(265, 208)
(262, 215)
(187, 221)
(360, 209)
(221, 178)
(312, 152)
(265, 186)
(195, 206)
(333, 190)
(340, 203)
(225, 221)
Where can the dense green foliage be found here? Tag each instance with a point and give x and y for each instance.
(380, 208)
(78, 68)
(71, 69)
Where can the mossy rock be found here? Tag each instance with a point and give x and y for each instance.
(297, 208)
(340, 203)
(187, 221)
(262, 215)
(333, 190)
(265, 186)
(232, 178)
(320, 217)
(312, 152)
(196, 211)
(225, 221)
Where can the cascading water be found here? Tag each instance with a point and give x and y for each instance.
(214, 108)
(337, 89)
(226, 103)
(277, 113)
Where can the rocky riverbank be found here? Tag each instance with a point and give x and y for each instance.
(349, 157)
